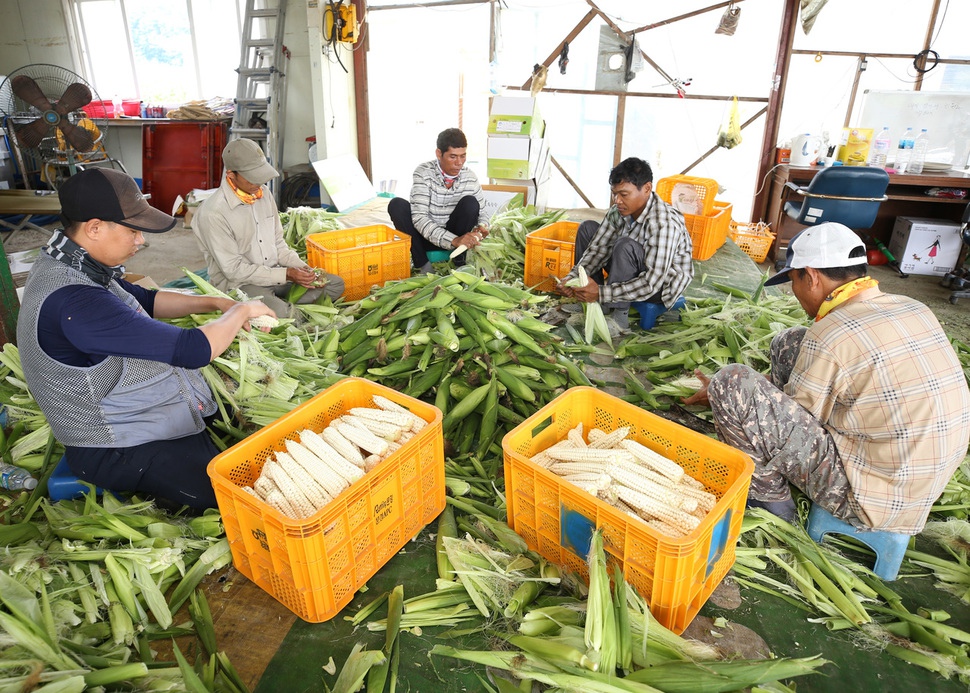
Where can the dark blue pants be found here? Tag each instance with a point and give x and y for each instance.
(170, 470)
(463, 218)
(624, 264)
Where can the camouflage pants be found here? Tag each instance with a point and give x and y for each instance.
(787, 444)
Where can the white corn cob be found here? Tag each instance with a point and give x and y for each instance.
(591, 483)
(277, 500)
(591, 455)
(705, 500)
(665, 466)
(650, 508)
(544, 459)
(318, 474)
(610, 440)
(346, 471)
(634, 466)
(575, 436)
(317, 494)
(382, 429)
(371, 461)
(264, 486)
(573, 468)
(394, 417)
(663, 494)
(595, 434)
(261, 321)
(344, 447)
(690, 481)
(664, 528)
(361, 437)
(290, 490)
(417, 423)
(250, 491)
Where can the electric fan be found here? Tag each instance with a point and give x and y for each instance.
(44, 105)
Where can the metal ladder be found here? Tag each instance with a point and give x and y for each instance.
(261, 85)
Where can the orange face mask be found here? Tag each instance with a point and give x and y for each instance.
(242, 194)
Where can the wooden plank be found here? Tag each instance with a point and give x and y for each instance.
(680, 17)
(361, 100)
(618, 131)
(569, 37)
(571, 181)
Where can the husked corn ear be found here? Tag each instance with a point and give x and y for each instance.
(312, 472)
(664, 528)
(544, 459)
(344, 447)
(360, 437)
(575, 436)
(317, 495)
(595, 434)
(589, 455)
(591, 483)
(250, 491)
(302, 507)
(330, 458)
(382, 429)
(417, 423)
(650, 508)
(371, 461)
(402, 419)
(665, 466)
(261, 321)
(664, 494)
(264, 486)
(610, 440)
(705, 500)
(277, 500)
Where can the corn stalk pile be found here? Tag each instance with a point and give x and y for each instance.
(300, 222)
(87, 589)
(501, 255)
(548, 628)
(474, 348)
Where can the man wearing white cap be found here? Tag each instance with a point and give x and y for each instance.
(867, 411)
(241, 237)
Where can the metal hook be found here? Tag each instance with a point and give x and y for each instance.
(818, 57)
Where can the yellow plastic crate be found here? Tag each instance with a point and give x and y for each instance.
(674, 575)
(754, 239)
(706, 190)
(549, 252)
(314, 566)
(363, 257)
(708, 233)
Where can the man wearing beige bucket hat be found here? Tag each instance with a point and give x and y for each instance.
(241, 237)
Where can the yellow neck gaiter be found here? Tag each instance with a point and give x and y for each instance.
(843, 294)
(243, 195)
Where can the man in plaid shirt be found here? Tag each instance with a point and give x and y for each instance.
(642, 244)
(867, 411)
(447, 207)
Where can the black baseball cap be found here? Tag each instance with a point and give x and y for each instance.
(103, 193)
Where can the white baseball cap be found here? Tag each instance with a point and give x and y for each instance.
(824, 246)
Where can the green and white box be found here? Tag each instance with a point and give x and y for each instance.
(515, 116)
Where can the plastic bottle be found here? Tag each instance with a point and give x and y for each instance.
(15, 478)
(881, 144)
(904, 153)
(920, 145)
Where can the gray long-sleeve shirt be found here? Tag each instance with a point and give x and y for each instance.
(241, 243)
(432, 203)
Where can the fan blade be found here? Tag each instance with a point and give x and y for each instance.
(26, 88)
(31, 134)
(79, 138)
(74, 97)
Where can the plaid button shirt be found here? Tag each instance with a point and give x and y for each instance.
(432, 203)
(666, 253)
(881, 376)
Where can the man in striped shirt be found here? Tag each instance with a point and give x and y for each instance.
(447, 207)
(642, 244)
(867, 411)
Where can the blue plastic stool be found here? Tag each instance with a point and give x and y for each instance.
(63, 485)
(890, 547)
(649, 312)
(438, 255)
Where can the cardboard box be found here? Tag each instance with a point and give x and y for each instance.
(515, 116)
(926, 246)
(854, 149)
(141, 280)
(515, 158)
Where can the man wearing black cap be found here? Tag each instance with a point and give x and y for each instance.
(120, 389)
(241, 236)
(867, 411)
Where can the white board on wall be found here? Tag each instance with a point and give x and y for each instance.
(945, 115)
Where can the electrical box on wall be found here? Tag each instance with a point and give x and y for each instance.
(339, 22)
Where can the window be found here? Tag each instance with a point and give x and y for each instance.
(160, 52)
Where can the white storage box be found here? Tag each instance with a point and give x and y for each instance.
(514, 116)
(925, 246)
